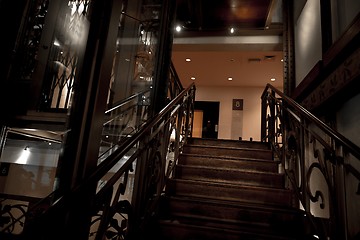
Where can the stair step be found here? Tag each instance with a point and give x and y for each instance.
(228, 152)
(230, 175)
(229, 143)
(237, 163)
(234, 212)
(231, 192)
(174, 230)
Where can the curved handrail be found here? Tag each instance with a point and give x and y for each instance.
(350, 146)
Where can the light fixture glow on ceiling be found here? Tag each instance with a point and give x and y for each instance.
(272, 79)
(188, 60)
(178, 28)
(230, 78)
(192, 78)
(232, 30)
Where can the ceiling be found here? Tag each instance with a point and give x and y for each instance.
(251, 55)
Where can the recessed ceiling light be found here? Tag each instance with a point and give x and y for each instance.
(230, 78)
(232, 30)
(272, 79)
(192, 78)
(178, 28)
(269, 57)
(188, 60)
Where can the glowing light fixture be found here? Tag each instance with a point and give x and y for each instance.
(24, 156)
(230, 78)
(272, 79)
(178, 28)
(188, 60)
(56, 43)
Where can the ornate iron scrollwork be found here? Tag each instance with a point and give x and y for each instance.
(318, 194)
(8, 217)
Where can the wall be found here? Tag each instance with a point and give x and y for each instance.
(308, 52)
(251, 109)
(308, 49)
(308, 40)
(343, 13)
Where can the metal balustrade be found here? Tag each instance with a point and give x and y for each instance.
(321, 165)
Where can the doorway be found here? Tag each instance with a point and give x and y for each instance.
(207, 124)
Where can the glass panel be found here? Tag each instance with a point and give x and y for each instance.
(31, 166)
(68, 41)
(132, 73)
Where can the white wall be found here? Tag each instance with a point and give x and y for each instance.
(308, 41)
(343, 13)
(251, 109)
(308, 49)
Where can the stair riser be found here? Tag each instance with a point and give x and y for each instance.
(233, 193)
(250, 165)
(175, 231)
(229, 143)
(228, 152)
(231, 176)
(271, 217)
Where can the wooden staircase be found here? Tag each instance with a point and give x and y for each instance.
(226, 189)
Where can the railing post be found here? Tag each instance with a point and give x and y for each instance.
(263, 117)
(271, 126)
(189, 110)
(340, 195)
(304, 147)
(3, 135)
(179, 127)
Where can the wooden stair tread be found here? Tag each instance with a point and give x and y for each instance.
(229, 169)
(228, 142)
(228, 191)
(183, 231)
(234, 204)
(230, 175)
(243, 226)
(233, 152)
(229, 162)
(225, 157)
(229, 185)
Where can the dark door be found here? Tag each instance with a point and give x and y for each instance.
(210, 118)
